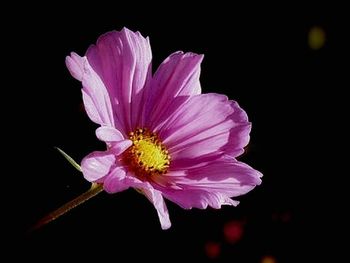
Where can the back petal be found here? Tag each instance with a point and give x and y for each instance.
(75, 65)
(153, 195)
(95, 96)
(177, 76)
(123, 62)
(157, 200)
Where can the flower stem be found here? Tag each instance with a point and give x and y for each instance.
(94, 190)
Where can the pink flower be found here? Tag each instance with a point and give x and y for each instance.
(164, 138)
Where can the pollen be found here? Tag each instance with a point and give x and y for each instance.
(147, 156)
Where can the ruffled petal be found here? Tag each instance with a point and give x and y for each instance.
(157, 200)
(109, 134)
(239, 133)
(117, 181)
(119, 147)
(213, 184)
(123, 61)
(177, 76)
(114, 182)
(95, 96)
(226, 175)
(154, 196)
(198, 199)
(75, 65)
(97, 165)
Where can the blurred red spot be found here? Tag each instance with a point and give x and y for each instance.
(268, 259)
(233, 231)
(286, 217)
(275, 216)
(212, 249)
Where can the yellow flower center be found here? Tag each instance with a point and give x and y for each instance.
(147, 156)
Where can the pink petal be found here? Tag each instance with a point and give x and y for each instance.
(199, 113)
(97, 165)
(119, 147)
(154, 196)
(96, 99)
(91, 108)
(177, 76)
(207, 125)
(198, 129)
(109, 134)
(75, 66)
(157, 200)
(117, 181)
(239, 133)
(122, 60)
(226, 174)
(198, 199)
(114, 182)
(214, 184)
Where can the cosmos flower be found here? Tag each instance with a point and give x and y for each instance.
(164, 138)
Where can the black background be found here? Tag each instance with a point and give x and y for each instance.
(258, 57)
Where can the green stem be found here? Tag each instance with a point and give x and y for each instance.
(94, 190)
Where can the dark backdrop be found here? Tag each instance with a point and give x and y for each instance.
(259, 57)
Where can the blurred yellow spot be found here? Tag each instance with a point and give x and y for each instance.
(268, 259)
(316, 38)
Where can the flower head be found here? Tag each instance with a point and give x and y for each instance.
(164, 138)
